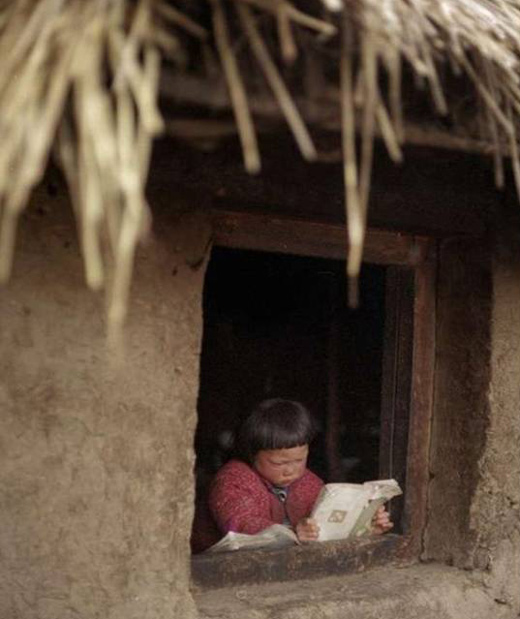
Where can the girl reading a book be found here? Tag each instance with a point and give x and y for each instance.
(268, 481)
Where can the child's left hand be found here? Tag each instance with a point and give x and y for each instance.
(381, 522)
(307, 530)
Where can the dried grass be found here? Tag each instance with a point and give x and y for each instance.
(83, 77)
(476, 37)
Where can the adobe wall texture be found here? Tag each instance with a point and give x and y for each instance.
(418, 592)
(474, 509)
(96, 489)
(495, 509)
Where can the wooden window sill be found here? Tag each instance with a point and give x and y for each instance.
(298, 562)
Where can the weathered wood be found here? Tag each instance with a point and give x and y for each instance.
(415, 511)
(297, 562)
(414, 198)
(463, 395)
(334, 412)
(292, 236)
(397, 377)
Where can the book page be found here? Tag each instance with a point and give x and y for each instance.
(338, 508)
(275, 536)
(346, 510)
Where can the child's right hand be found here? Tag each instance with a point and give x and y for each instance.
(307, 530)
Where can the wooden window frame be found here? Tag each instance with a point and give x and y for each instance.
(407, 392)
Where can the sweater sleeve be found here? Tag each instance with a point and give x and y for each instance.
(315, 485)
(302, 496)
(237, 504)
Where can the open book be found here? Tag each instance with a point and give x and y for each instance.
(345, 511)
(275, 536)
(342, 511)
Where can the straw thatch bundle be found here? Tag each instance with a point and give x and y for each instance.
(80, 79)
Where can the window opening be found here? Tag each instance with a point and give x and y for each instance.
(279, 326)
(406, 304)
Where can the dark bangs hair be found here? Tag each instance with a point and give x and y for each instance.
(274, 424)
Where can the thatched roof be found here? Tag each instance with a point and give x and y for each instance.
(81, 80)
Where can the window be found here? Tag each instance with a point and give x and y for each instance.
(277, 324)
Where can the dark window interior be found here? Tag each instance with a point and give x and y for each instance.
(279, 326)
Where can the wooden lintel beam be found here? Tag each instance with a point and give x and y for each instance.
(307, 238)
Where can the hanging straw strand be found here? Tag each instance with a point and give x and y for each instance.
(236, 90)
(350, 175)
(285, 101)
(294, 14)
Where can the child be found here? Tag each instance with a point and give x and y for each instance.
(269, 483)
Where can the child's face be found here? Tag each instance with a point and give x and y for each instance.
(282, 466)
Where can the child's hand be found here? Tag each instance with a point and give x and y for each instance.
(381, 522)
(307, 530)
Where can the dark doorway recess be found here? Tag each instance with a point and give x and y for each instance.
(278, 325)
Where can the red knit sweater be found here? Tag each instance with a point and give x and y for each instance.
(240, 500)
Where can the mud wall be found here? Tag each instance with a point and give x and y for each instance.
(96, 458)
(96, 487)
(474, 498)
(495, 509)
(461, 406)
